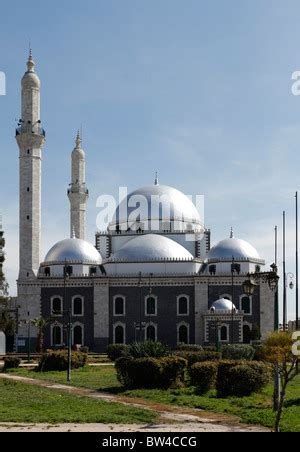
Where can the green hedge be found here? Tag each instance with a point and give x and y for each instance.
(189, 348)
(148, 349)
(199, 357)
(241, 378)
(58, 361)
(150, 372)
(115, 351)
(238, 352)
(11, 362)
(203, 376)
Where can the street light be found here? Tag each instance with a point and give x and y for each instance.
(249, 286)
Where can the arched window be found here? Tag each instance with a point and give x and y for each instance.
(224, 333)
(183, 305)
(78, 307)
(78, 335)
(151, 333)
(151, 306)
(119, 306)
(56, 338)
(47, 271)
(183, 334)
(56, 306)
(119, 334)
(246, 305)
(247, 334)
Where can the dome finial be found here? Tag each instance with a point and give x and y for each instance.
(30, 62)
(73, 233)
(78, 140)
(156, 179)
(231, 233)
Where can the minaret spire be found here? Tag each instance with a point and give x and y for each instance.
(78, 193)
(30, 62)
(78, 140)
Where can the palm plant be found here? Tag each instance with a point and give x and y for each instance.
(40, 324)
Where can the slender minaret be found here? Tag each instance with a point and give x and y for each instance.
(30, 138)
(78, 193)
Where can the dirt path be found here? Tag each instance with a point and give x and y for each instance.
(195, 419)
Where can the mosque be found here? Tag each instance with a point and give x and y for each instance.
(149, 276)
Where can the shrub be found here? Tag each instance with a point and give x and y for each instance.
(238, 352)
(11, 362)
(115, 351)
(58, 361)
(259, 354)
(241, 378)
(203, 376)
(147, 349)
(189, 348)
(249, 378)
(84, 349)
(146, 373)
(172, 371)
(199, 357)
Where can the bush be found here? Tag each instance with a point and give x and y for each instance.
(11, 362)
(147, 349)
(152, 373)
(241, 378)
(199, 357)
(115, 351)
(203, 376)
(58, 361)
(238, 352)
(172, 371)
(84, 349)
(189, 348)
(259, 354)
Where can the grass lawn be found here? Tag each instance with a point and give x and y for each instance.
(256, 409)
(31, 404)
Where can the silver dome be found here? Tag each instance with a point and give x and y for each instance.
(74, 250)
(181, 207)
(223, 305)
(233, 248)
(152, 247)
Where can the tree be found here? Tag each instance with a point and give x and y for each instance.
(40, 324)
(278, 350)
(7, 323)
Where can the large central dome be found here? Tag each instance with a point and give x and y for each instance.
(156, 207)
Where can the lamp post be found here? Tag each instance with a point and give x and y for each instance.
(249, 287)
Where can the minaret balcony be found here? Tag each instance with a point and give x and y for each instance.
(78, 188)
(32, 130)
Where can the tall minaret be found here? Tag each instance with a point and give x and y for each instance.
(30, 138)
(78, 193)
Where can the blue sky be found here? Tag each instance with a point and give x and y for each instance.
(200, 91)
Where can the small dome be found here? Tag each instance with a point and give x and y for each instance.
(223, 305)
(233, 248)
(162, 203)
(152, 247)
(74, 250)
